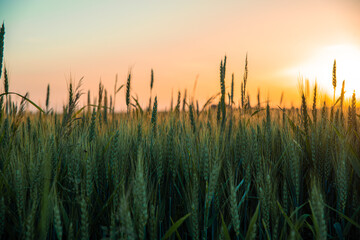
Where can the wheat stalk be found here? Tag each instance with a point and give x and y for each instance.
(2, 37)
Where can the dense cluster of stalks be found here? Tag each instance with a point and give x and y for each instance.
(190, 173)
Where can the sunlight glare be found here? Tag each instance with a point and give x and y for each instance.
(320, 68)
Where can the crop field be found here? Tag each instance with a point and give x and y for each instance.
(218, 171)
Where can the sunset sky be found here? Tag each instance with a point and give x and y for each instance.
(46, 41)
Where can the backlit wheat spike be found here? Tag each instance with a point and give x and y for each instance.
(232, 90)
(304, 115)
(248, 105)
(1, 107)
(154, 117)
(152, 79)
(222, 88)
(110, 104)
(243, 84)
(334, 77)
(314, 110)
(151, 87)
(6, 80)
(71, 95)
(47, 97)
(218, 113)
(281, 98)
(192, 118)
(88, 101)
(353, 112)
(105, 107)
(172, 100)
(342, 96)
(2, 37)
(128, 88)
(184, 101)
(246, 72)
(177, 108)
(100, 96)
(242, 95)
(92, 130)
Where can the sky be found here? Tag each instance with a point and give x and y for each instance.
(49, 42)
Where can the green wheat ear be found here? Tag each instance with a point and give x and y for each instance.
(6, 80)
(127, 96)
(334, 77)
(177, 108)
(154, 117)
(152, 79)
(314, 110)
(105, 106)
(2, 34)
(184, 100)
(232, 90)
(304, 114)
(47, 97)
(342, 98)
(151, 87)
(192, 118)
(352, 113)
(222, 86)
(243, 83)
(6, 88)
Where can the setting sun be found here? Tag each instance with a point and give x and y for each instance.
(319, 67)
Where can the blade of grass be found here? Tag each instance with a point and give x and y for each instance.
(27, 99)
(224, 228)
(175, 226)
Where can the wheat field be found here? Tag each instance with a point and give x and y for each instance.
(220, 171)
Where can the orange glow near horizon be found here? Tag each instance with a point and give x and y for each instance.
(45, 42)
